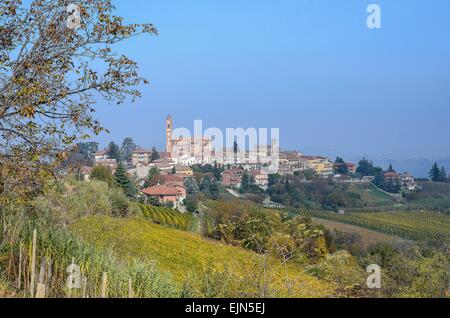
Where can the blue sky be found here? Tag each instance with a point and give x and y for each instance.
(309, 67)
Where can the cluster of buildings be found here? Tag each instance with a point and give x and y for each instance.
(182, 153)
(404, 180)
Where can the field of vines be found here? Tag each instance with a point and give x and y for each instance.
(167, 217)
(415, 226)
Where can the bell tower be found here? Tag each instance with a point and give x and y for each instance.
(169, 127)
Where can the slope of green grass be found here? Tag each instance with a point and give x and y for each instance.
(190, 259)
(372, 196)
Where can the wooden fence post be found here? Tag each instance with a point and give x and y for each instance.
(130, 289)
(104, 285)
(19, 284)
(83, 293)
(40, 292)
(33, 264)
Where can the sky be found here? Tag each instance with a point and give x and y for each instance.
(309, 67)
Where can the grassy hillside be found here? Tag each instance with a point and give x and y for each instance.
(372, 196)
(192, 260)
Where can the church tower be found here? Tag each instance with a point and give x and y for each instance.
(169, 127)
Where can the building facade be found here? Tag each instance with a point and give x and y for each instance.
(196, 150)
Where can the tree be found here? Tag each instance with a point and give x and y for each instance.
(191, 203)
(435, 173)
(128, 146)
(83, 154)
(215, 191)
(205, 186)
(152, 173)
(191, 186)
(155, 155)
(379, 177)
(365, 168)
(341, 166)
(123, 181)
(88, 150)
(52, 73)
(113, 151)
(246, 183)
(443, 175)
(275, 179)
(391, 169)
(102, 173)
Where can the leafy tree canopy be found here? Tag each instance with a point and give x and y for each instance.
(52, 73)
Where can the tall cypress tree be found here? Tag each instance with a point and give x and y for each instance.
(435, 173)
(123, 181)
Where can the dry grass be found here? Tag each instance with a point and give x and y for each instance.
(187, 257)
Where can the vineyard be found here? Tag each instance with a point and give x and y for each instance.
(415, 226)
(167, 217)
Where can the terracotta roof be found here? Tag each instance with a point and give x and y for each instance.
(171, 178)
(391, 175)
(141, 151)
(160, 190)
(173, 184)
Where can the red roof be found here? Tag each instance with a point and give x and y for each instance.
(160, 190)
(171, 177)
(142, 151)
(174, 184)
(391, 175)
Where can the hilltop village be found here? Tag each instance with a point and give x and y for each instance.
(165, 176)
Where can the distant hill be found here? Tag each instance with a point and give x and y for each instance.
(417, 167)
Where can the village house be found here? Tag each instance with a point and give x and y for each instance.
(350, 166)
(232, 178)
(101, 155)
(108, 163)
(141, 156)
(261, 178)
(164, 165)
(179, 186)
(184, 170)
(166, 194)
(408, 182)
(392, 177)
(320, 165)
